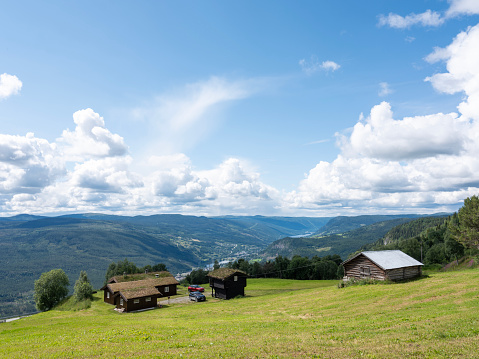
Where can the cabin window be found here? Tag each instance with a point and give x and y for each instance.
(121, 301)
(136, 301)
(167, 289)
(235, 278)
(108, 295)
(365, 270)
(148, 299)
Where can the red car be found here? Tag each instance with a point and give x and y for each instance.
(195, 288)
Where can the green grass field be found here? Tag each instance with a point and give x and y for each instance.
(435, 317)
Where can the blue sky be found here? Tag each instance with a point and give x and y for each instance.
(272, 107)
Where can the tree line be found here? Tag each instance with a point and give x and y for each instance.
(127, 267)
(300, 268)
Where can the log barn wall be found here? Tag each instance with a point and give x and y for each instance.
(357, 268)
(362, 267)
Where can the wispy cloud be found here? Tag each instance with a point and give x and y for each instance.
(427, 18)
(313, 65)
(185, 116)
(430, 18)
(9, 85)
(316, 142)
(384, 89)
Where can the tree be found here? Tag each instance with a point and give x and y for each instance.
(466, 231)
(160, 267)
(83, 288)
(197, 276)
(121, 267)
(436, 254)
(216, 265)
(50, 289)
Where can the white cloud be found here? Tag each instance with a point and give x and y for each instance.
(90, 139)
(420, 163)
(427, 18)
(382, 137)
(9, 85)
(181, 120)
(463, 7)
(462, 70)
(384, 89)
(27, 163)
(313, 65)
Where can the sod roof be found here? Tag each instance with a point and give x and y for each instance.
(225, 273)
(141, 288)
(138, 276)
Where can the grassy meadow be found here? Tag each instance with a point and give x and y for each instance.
(435, 317)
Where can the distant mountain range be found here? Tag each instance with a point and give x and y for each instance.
(31, 245)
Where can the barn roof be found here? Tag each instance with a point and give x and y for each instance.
(389, 259)
(224, 273)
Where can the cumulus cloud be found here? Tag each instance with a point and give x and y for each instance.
(313, 65)
(422, 162)
(90, 139)
(462, 75)
(463, 7)
(27, 163)
(9, 85)
(382, 137)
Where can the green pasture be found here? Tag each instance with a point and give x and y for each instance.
(435, 317)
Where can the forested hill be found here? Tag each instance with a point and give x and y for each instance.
(342, 244)
(428, 240)
(343, 224)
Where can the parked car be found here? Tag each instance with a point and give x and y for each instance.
(195, 288)
(197, 296)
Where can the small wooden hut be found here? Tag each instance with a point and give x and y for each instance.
(227, 283)
(130, 294)
(382, 265)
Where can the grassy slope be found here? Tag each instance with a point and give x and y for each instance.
(429, 318)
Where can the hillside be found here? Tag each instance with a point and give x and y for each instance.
(30, 245)
(343, 224)
(342, 244)
(434, 317)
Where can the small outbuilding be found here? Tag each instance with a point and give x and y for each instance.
(227, 283)
(382, 265)
(130, 294)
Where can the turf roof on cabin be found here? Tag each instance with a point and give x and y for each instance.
(141, 288)
(139, 276)
(224, 273)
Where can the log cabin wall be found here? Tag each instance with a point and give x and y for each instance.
(361, 267)
(108, 296)
(404, 273)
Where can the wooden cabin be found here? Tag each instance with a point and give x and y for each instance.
(382, 265)
(140, 294)
(227, 283)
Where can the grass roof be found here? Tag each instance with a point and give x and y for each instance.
(141, 288)
(224, 273)
(139, 276)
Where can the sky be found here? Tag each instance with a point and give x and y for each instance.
(311, 108)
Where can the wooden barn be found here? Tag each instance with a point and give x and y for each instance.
(382, 265)
(227, 283)
(125, 292)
